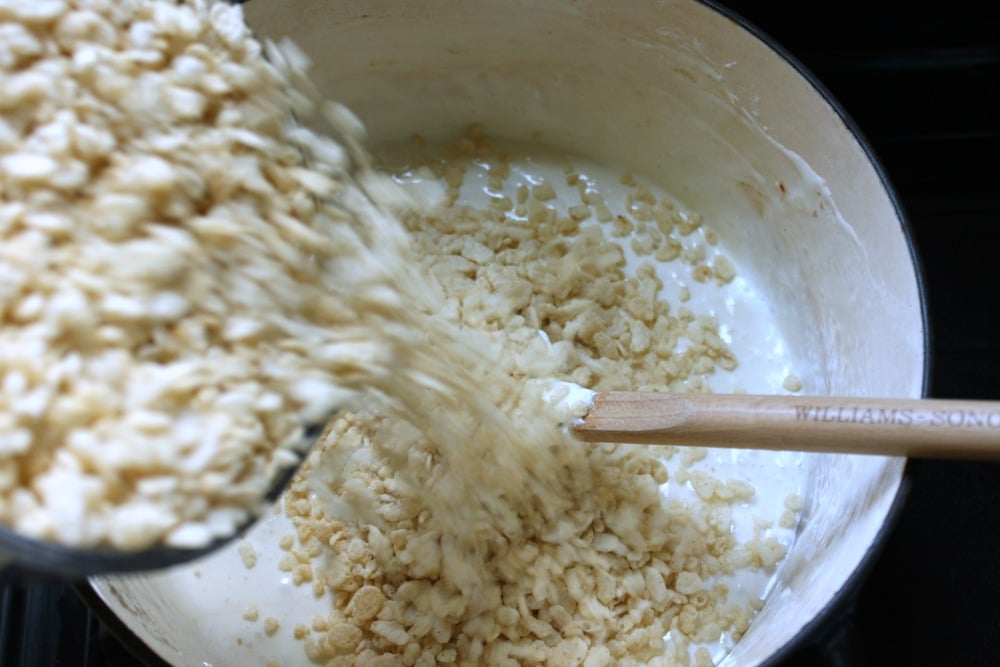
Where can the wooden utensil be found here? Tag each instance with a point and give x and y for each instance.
(931, 428)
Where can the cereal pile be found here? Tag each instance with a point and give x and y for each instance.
(586, 563)
(187, 277)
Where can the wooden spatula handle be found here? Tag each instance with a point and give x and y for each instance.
(893, 427)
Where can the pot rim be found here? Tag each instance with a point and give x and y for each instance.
(817, 628)
(116, 627)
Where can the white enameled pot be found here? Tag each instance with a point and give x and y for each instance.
(687, 95)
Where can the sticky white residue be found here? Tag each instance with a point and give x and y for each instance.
(570, 402)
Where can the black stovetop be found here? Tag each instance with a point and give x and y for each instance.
(918, 80)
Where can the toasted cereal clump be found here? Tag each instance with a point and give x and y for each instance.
(247, 554)
(587, 566)
(792, 383)
(168, 243)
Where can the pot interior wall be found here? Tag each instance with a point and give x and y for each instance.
(681, 94)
